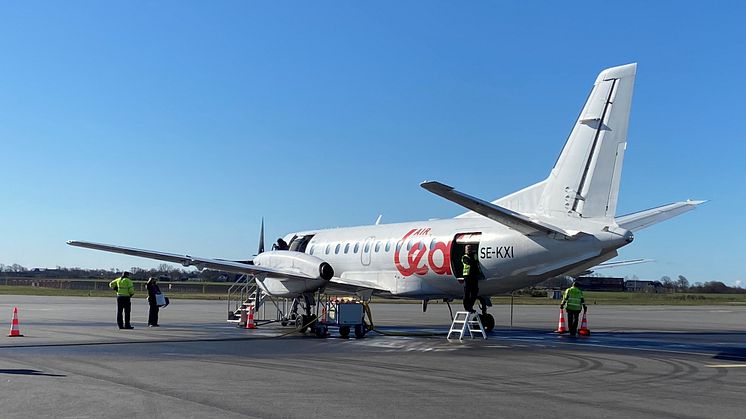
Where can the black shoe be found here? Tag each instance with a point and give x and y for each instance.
(129, 327)
(121, 327)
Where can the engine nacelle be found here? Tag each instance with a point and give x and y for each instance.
(318, 272)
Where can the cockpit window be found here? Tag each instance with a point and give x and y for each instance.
(299, 243)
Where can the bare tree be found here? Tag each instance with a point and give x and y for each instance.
(682, 283)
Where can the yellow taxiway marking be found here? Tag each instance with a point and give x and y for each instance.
(727, 366)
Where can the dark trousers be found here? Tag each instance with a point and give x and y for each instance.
(124, 304)
(471, 292)
(572, 321)
(153, 314)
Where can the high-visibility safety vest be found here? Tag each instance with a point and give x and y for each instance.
(573, 298)
(467, 261)
(124, 287)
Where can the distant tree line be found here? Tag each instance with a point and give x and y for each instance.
(164, 272)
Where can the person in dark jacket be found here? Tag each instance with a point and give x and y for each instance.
(471, 277)
(153, 289)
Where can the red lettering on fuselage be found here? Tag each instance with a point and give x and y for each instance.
(416, 253)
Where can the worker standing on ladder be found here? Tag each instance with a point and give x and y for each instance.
(471, 277)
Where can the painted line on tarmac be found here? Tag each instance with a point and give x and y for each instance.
(726, 366)
(607, 346)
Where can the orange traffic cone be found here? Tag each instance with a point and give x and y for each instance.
(562, 326)
(584, 331)
(250, 321)
(15, 331)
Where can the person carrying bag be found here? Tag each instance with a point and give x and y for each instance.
(155, 300)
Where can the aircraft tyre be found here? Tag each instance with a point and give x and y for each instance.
(300, 321)
(488, 322)
(360, 331)
(304, 322)
(321, 330)
(344, 331)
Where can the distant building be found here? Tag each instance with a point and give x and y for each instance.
(636, 285)
(594, 283)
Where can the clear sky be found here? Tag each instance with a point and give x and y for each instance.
(177, 125)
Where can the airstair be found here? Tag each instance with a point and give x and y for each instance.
(466, 323)
(245, 292)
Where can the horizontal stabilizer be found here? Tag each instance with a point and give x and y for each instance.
(616, 264)
(512, 219)
(642, 219)
(186, 260)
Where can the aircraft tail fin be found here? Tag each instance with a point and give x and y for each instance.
(585, 180)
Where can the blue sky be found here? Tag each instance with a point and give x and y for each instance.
(178, 125)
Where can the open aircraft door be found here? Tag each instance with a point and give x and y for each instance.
(458, 248)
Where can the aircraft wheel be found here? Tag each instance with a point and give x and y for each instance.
(488, 322)
(360, 331)
(301, 324)
(321, 330)
(344, 331)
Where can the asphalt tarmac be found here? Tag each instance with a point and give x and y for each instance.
(640, 361)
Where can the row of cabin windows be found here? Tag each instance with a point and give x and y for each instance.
(377, 248)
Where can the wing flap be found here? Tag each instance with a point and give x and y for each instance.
(509, 218)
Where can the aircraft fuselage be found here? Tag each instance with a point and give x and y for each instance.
(423, 259)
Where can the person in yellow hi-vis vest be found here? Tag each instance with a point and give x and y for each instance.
(471, 272)
(125, 290)
(574, 301)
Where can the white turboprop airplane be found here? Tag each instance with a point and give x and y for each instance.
(561, 226)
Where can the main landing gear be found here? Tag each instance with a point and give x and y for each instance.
(305, 321)
(488, 321)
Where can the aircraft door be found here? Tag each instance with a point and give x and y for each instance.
(458, 248)
(366, 251)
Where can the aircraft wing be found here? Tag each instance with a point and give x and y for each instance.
(642, 219)
(186, 260)
(512, 219)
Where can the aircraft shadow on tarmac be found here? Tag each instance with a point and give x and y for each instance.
(16, 371)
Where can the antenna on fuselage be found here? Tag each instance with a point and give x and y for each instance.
(261, 239)
(378, 220)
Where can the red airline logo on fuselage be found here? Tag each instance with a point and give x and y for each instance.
(416, 263)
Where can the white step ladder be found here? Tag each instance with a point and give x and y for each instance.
(465, 322)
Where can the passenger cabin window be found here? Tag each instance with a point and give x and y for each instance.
(347, 248)
(378, 246)
(367, 247)
(311, 249)
(357, 246)
(388, 245)
(328, 248)
(336, 250)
